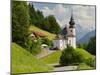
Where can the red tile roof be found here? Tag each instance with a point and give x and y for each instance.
(39, 34)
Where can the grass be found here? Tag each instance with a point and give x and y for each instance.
(24, 62)
(84, 66)
(52, 58)
(86, 55)
(50, 36)
(55, 57)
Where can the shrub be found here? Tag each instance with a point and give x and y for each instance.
(70, 56)
(33, 47)
(91, 62)
(47, 41)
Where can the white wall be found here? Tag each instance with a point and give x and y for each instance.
(61, 44)
(72, 41)
(73, 31)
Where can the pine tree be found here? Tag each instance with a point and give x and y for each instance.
(20, 22)
(54, 26)
(91, 47)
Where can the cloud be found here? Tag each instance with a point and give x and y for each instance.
(83, 15)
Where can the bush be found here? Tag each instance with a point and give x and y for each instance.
(91, 62)
(33, 47)
(47, 41)
(70, 56)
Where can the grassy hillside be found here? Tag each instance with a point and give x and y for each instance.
(84, 53)
(55, 57)
(84, 66)
(52, 58)
(24, 62)
(50, 36)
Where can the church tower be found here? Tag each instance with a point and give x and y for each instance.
(71, 37)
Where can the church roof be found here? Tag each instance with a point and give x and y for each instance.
(71, 22)
(58, 37)
(64, 31)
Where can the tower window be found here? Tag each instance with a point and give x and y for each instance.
(71, 30)
(69, 42)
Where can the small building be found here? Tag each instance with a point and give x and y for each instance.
(36, 34)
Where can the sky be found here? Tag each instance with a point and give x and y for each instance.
(84, 15)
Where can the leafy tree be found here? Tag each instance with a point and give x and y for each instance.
(91, 47)
(33, 46)
(70, 56)
(47, 41)
(91, 62)
(20, 22)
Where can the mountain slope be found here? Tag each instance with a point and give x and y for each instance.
(50, 36)
(86, 37)
(24, 62)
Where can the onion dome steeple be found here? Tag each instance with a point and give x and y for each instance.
(71, 22)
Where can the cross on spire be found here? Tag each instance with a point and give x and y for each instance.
(71, 14)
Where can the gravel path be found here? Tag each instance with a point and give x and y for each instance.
(57, 67)
(65, 68)
(41, 55)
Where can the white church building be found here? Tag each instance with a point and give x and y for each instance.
(66, 37)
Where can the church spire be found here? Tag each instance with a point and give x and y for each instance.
(71, 22)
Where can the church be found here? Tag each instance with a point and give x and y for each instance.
(66, 37)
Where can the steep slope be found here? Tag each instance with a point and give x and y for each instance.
(50, 36)
(84, 53)
(24, 62)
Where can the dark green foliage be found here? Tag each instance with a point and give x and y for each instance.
(48, 23)
(20, 22)
(53, 25)
(84, 46)
(36, 16)
(47, 41)
(33, 47)
(91, 47)
(70, 56)
(32, 13)
(91, 62)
